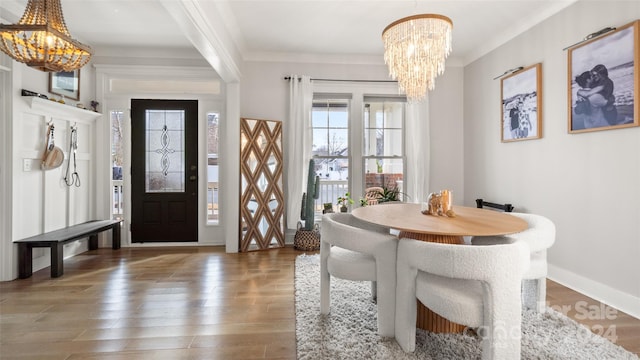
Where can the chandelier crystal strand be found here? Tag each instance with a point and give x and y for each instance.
(41, 39)
(416, 48)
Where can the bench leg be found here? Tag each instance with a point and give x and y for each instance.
(115, 237)
(93, 242)
(57, 268)
(25, 259)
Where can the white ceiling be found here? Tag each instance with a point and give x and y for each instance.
(318, 28)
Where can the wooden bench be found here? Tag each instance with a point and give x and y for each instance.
(57, 238)
(480, 203)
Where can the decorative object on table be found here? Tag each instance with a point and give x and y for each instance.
(72, 178)
(53, 155)
(65, 84)
(603, 83)
(344, 201)
(521, 104)
(417, 42)
(307, 237)
(327, 208)
(440, 204)
(41, 39)
(94, 105)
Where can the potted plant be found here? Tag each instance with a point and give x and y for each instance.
(390, 194)
(343, 201)
(327, 208)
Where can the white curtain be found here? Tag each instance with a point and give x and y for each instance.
(298, 147)
(418, 154)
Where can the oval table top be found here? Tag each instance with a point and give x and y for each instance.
(468, 221)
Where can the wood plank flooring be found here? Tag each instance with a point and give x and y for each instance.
(181, 303)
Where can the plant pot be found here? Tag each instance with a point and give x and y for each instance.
(343, 209)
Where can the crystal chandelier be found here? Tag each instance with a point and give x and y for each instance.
(415, 49)
(41, 39)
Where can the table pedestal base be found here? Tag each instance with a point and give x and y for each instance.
(427, 319)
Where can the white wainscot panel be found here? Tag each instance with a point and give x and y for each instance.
(79, 196)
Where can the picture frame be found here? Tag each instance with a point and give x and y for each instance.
(521, 104)
(65, 83)
(603, 84)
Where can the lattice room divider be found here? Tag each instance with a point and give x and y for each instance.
(261, 199)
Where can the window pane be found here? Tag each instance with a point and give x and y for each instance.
(330, 120)
(390, 142)
(383, 172)
(338, 142)
(383, 129)
(334, 176)
(165, 153)
(117, 159)
(319, 117)
(338, 117)
(212, 166)
(320, 142)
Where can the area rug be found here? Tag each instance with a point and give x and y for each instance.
(350, 330)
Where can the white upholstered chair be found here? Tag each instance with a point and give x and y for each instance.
(476, 286)
(352, 249)
(540, 236)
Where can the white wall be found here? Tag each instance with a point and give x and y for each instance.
(587, 184)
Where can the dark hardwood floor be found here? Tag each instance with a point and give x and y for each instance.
(182, 303)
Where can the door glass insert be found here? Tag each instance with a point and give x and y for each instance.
(165, 165)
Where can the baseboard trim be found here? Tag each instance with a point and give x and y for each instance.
(622, 301)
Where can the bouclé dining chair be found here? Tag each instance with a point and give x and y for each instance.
(355, 250)
(540, 236)
(476, 286)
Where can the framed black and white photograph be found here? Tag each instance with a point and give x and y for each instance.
(603, 81)
(65, 83)
(521, 94)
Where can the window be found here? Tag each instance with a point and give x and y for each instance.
(330, 147)
(117, 162)
(383, 153)
(212, 167)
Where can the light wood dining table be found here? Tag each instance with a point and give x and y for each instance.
(412, 223)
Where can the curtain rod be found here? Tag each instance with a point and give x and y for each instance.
(355, 80)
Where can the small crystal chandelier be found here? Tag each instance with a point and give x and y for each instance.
(415, 49)
(41, 39)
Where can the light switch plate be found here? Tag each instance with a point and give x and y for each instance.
(26, 164)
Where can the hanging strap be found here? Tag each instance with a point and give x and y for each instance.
(48, 140)
(73, 178)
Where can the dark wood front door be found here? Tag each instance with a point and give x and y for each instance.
(164, 172)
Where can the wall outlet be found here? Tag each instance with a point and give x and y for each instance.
(26, 164)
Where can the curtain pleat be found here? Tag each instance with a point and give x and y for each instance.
(418, 154)
(298, 144)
